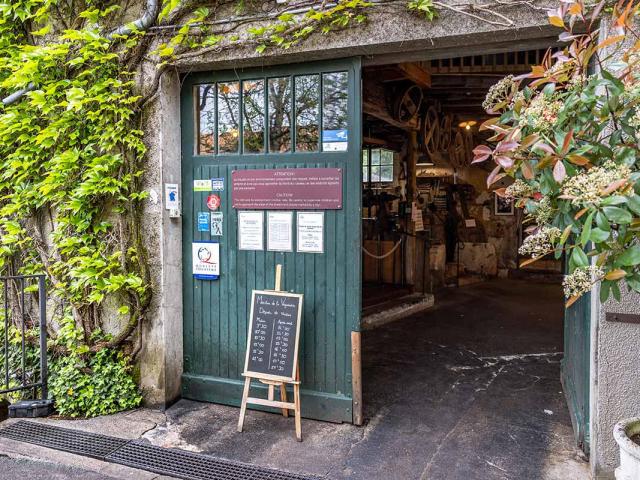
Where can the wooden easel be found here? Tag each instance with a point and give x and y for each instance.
(269, 401)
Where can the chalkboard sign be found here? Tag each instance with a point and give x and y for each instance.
(274, 330)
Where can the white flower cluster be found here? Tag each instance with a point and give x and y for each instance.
(634, 122)
(540, 243)
(541, 114)
(543, 212)
(586, 188)
(519, 189)
(581, 280)
(500, 94)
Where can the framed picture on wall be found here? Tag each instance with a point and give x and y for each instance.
(503, 206)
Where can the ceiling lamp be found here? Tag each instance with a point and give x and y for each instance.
(467, 125)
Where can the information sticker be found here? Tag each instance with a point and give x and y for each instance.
(202, 185)
(203, 221)
(216, 224)
(206, 260)
(217, 184)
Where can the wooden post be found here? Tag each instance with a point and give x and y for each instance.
(356, 377)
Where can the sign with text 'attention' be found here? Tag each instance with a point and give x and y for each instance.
(287, 189)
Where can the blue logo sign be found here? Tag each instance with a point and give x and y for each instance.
(203, 221)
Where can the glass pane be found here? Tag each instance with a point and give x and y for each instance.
(307, 113)
(375, 173)
(206, 106)
(386, 157)
(335, 91)
(228, 116)
(386, 173)
(280, 115)
(253, 125)
(375, 156)
(365, 173)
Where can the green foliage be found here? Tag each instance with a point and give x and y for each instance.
(423, 7)
(93, 384)
(571, 141)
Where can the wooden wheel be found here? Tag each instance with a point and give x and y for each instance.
(408, 104)
(431, 131)
(457, 151)
(445, 132)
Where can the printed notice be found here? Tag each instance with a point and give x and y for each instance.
(280, 231)
(250, 230)
(310, 232)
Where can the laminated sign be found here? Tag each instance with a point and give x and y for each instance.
(206, 260)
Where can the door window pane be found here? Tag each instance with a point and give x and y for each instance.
(253, 125)
(228, 117)
(206, 108)
(307, 113)
(334, 111)
(280, 115)
(365, 166)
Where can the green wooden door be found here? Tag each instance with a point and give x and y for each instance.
(576, 366)
(225, 128)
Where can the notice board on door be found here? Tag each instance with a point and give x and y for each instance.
(274, 335)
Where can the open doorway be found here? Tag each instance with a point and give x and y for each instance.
(452, 322)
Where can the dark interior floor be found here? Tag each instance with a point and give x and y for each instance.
(379, 293)
(473, 386)
(469, 390)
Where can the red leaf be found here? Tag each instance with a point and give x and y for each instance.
(493, 176)
(567, 141)
(504, 161)
(544, 147)
(559, 171)
(506, 146)
(500, 192)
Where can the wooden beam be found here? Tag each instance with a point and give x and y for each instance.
(380, 112)
(356, 377)
(416, 73)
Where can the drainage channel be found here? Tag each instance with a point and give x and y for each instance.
(132, 453)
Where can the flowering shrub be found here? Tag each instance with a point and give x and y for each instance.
(570, 139)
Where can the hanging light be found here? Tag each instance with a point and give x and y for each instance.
(467, 125)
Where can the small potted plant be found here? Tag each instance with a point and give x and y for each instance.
(627, 435)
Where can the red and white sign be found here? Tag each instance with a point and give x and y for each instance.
(287, 189)
(213, 202)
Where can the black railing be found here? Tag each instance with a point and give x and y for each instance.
(21, 308)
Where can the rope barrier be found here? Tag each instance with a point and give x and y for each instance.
(382, 257)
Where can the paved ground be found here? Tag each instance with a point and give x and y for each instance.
(468, 390)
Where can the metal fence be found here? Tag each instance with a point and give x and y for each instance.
(24, 317)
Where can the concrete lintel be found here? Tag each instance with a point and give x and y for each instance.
(390, 33)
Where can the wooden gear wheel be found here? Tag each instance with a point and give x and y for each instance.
(408, 104)
(445, 133)
(458, 151)
(431, 131)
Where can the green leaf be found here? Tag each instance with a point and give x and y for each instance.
(598, 235)
(630, 257)
(617, 215)
(579, 258)
(586, 229)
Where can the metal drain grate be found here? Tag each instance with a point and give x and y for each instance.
(194, 466)
(65, 439)
(165, 461)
